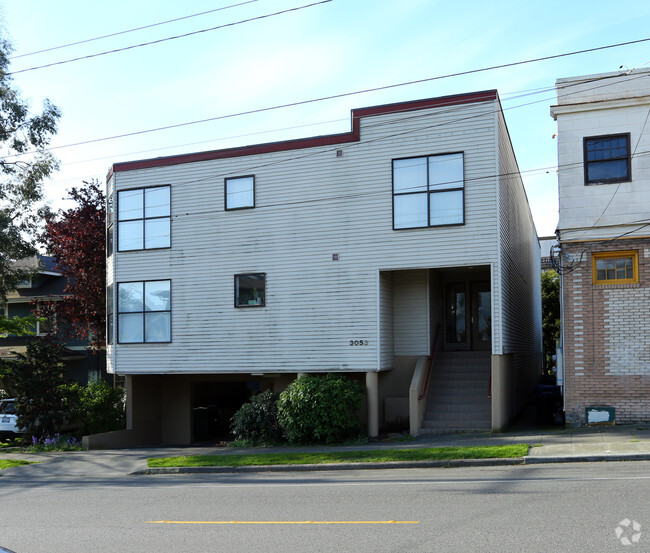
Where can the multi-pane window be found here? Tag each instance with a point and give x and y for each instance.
(615, 267)
(607, 158)
(240, 192)
(143, 217)
(428, 191)
(144, 311)
(109, 225)
(109, 314)
(250, 290)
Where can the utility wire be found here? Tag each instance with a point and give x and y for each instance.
(452, 107)
(341, 95)
(169, 38)
(130, 30)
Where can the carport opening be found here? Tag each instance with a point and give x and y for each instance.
(213, 406)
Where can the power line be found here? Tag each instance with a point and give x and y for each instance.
(452, 107)
(131, 30)
(169, 38)
(343, 94)
(513, 95)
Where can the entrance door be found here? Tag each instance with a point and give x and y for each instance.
(468, 316)
(481, 316)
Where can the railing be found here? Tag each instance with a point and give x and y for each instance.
(433, 353)
(418, 390)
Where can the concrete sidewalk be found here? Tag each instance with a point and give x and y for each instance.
(605, 443)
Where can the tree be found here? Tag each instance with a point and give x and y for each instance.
(23, 167)
(550, 315)
(75, 237)
(38, 383)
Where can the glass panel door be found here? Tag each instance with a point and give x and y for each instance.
(456, 316)
(481, 316)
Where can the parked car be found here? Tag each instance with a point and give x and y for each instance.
(8, 418)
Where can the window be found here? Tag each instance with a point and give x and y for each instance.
(607, 159)
(109, 314)
(240, 192)
(46, 327)
(428, 191)
(143, 217)
(615, 267)
(144, 312)
(249, 290)
(109, 225)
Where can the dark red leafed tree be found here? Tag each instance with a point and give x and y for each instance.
(76, 239)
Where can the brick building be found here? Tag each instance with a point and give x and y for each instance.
(604, 236)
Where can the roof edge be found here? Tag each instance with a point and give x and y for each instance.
(325, 140)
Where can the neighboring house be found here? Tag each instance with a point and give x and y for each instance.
(604, 234)
(546, 243)
(236, 270)
(47, 284)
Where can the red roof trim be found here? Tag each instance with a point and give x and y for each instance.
(326, 140)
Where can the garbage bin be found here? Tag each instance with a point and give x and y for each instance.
(547, 402)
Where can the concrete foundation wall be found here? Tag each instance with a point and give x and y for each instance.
(394, 393)
(503, 397)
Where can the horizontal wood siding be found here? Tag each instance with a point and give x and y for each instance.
(519, 272)
(411, 312)
(386, 320)
(310, 204)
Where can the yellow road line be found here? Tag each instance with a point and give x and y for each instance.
(283, 522)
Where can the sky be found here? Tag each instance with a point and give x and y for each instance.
(314, 51)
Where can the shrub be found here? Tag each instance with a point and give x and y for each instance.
(256, 421)
(320, 408)
(98, 407)
(38, 380)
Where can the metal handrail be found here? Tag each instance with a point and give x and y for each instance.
(433, 351)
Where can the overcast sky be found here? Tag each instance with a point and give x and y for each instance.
(327, 49)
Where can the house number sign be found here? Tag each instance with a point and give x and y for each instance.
(358, 342)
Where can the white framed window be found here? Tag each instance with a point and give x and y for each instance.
(250, 290)
(144, 218)
(428, 191)
(239, 192)
(144, 311)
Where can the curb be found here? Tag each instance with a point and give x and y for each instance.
(333, 466)
(594, 458)
(452, 463)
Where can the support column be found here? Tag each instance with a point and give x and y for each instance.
(372, 401)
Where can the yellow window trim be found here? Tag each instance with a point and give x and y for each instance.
(634, 254)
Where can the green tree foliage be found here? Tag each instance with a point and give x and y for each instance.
(257, 420)
(98, 407)
(38, 379)
(320, 408)
(17, 326)
(550, 315)
(23, 167)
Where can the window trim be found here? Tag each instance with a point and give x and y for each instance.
(225, 192)
(143, 218)
(110, 218)
(249, 305)
(118, 312)
(596, 256)
(429, 193)
(587, 163)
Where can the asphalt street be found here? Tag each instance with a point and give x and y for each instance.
(577, 507)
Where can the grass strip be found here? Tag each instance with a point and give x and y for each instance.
(8, 463)
(317, 458)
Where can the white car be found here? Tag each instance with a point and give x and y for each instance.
(8, 418)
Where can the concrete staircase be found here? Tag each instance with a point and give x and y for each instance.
(458, 393)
